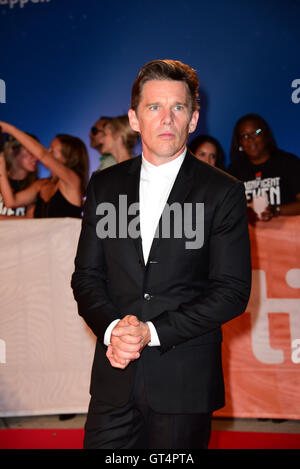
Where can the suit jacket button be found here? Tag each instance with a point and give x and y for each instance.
(147, 297)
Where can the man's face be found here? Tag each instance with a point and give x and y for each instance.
(96, 134)
(164, 119)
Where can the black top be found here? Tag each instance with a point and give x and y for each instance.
(279, 177)
(16, 185)
(56, 207)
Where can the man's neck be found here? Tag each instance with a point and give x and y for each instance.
(157, 160)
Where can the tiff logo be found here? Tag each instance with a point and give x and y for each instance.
(260, 306)
(2, 92)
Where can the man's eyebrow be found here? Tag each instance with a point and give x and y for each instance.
(176, 103)
(152, 103)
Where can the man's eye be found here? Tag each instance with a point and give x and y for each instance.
(154, 107)
(178, 107)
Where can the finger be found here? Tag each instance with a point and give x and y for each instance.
(129, 321)
(133, 320)
(114, 362)
(110, 353)
(121, 355)
(128, 339)
(126, 330)
(126, 351)
(118, 344)
(128, 318)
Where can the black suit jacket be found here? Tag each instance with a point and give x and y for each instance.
(187, 293)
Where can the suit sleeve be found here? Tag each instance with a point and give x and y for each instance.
(89, 280)
(229, 285)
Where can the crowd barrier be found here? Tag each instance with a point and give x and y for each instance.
(262, 347)
(46, 350)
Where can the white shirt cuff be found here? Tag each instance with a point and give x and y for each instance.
(108, 331)
(154, 342)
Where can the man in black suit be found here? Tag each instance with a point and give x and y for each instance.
(156, 284)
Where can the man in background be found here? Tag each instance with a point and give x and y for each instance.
(96, 136)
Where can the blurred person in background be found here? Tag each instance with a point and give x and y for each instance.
(268, 172)
(60, 195)
(96, 133)
(208, 149)
(21, 173)
(118, 138)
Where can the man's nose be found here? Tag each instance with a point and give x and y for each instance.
(167, 117)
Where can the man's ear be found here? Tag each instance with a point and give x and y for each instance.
(193, 121)
(133, 120)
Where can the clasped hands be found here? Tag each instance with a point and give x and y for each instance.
(128, 339)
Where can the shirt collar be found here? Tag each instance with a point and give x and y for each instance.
(166, 169)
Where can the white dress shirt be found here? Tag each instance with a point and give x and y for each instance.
(156, 183)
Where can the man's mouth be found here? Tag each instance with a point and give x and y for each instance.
(166, 135)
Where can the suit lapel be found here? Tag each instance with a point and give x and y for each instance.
(182, 185)
(133, 196)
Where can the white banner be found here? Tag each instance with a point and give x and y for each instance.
(46, 349)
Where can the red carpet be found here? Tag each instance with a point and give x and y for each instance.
(72, 439)
(254, 440)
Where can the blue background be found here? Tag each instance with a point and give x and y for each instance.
(67, 62)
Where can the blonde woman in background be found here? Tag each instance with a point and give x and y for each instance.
(118, 139)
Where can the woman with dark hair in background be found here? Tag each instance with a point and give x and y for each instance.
(60, 195)
(21, 172)
(271, 175)
(118, 138)
(208, 149)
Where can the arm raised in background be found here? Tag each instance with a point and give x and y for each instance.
(65, 174)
